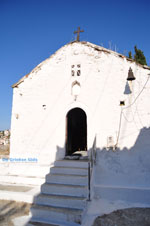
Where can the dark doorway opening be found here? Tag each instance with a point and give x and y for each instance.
(76, 134)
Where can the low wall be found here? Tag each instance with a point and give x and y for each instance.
(124, 174)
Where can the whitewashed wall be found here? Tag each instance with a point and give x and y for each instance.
(124, 175)
(39, 131)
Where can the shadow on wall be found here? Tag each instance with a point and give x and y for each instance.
(41, 198)
(127, 169)
(127, 89)
(124, 174)
(53, 194)
(60, 154)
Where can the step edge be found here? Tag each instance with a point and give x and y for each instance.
(81, 208)
(69, 167)
(55, 222)
(65, 185)
(62, 197)
(55, 208)
(61, 174)
(80, 196)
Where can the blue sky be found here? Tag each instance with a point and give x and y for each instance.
(32, 30)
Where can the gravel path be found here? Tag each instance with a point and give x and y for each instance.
(126, 217)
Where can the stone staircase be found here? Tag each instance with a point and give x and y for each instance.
(63, 196)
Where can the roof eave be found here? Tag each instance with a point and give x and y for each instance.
(20, 81)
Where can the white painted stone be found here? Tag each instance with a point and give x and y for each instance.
(42, 100)
(53, 213)
(67, 179)
(69, 190)
(67, 170)
(124, 175)
(52, 221)
(66, 163)
(61, 201)
(40, 132)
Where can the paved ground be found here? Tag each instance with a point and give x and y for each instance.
(126, 217)
(11, 209)
(15, 188)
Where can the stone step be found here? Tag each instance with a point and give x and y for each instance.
(69, 170)
(60, 189)
(44, 222)
(36, 223)
(51, 213)
(24, 180)
(67, 179)
(72, 163)
(63, 196)
(61, 201)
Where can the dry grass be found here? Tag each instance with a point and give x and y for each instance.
(10, 210)
(4, 150)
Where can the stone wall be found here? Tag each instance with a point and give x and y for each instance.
(124, 174)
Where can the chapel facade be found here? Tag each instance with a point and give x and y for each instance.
(76, 94)
(82, 99)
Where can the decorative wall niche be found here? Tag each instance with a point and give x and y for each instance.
(75, 89)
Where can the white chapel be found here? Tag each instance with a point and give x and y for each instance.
(80, 92)
(82, 99)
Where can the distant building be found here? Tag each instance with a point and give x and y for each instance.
(5, 137)
(7, 133)
(1, 133)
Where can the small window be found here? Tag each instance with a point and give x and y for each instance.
(122, 103)
(78, 72)
(72, 72)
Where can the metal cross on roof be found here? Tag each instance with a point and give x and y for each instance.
(78, 33)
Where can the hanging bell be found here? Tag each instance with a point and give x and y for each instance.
(130, 75)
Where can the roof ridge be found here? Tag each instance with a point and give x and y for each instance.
(88, 44)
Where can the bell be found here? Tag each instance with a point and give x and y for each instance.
(130, 75)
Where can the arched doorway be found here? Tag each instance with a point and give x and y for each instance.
(76, 131)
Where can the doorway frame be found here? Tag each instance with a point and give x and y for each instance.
(66, 129)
